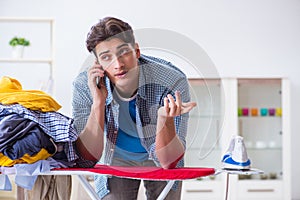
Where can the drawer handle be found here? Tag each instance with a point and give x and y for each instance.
(260, 190)
(204, 190)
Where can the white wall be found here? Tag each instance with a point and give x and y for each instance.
(243, 38)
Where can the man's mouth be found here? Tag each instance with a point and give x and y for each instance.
(121, 74)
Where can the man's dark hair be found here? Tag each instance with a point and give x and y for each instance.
(108, 28)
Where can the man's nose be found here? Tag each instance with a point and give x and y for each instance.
(118, 62)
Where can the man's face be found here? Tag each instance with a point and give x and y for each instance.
(119, 60)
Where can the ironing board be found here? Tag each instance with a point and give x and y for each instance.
(145, 173)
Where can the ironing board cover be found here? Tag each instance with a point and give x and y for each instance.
(147, 173)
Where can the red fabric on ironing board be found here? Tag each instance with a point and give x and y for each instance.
(148, 173)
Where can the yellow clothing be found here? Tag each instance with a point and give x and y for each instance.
(11, 92)
(41, 155)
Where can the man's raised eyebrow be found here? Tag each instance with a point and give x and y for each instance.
(103, 52)
(122, 45)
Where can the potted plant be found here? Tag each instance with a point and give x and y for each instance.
(18, 44)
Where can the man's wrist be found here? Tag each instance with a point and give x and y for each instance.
(164, 117)
(98, 106)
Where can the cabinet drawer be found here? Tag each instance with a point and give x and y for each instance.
(260, 190)
(202, 190)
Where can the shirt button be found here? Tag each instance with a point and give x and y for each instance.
(115, 132)
(111, 149)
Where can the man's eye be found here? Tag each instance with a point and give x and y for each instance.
(124, 51)
(105, 57)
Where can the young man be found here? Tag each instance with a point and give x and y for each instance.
(130, 110)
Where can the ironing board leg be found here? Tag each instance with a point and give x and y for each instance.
(227, 186)
(166, 190)
(88, 188)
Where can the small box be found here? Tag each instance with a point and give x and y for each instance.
(278, 112)
(263, 111)
(240, 113)
(272, 111)
(245, 111)
(254, 111)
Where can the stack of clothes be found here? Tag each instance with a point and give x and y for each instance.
(32, 131)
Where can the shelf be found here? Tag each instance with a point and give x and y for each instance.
(258, 81)
(46, 23)
(211, 178)
(216, 148)
(258, 179)
(26, 60)
(18, 19)
(204, 116)
(259, 117)
(263, 149)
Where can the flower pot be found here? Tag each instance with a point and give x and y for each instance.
(18, 51)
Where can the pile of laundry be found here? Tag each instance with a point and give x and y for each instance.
(32, 131)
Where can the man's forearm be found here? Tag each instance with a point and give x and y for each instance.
(90, 141)
(169, 149)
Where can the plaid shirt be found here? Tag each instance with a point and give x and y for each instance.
(157, 79)
(54, 124)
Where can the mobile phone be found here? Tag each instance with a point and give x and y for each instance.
(98, 78)
(98, 82)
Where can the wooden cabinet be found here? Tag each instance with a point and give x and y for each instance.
(258, 109)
